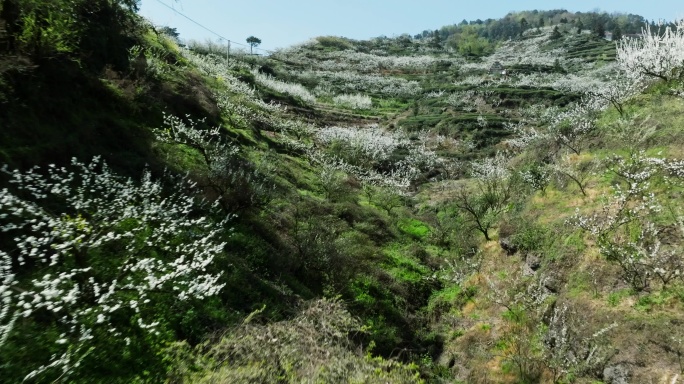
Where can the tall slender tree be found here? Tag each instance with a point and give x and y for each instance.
(523, 26)
(253, 42)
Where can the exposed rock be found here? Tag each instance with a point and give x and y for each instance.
(533, 260)
(508, 246)
(527, 271)
(617, 374)
(552, 282)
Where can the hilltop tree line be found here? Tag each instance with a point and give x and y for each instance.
(479, 36)
(111, 278)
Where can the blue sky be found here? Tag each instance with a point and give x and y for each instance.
(281, 23)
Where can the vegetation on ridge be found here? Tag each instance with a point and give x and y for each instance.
(496, 202)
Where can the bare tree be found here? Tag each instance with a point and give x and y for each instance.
(484, 204)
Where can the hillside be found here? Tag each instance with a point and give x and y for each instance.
(465, 206)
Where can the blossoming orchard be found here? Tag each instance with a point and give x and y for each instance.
(495, 199)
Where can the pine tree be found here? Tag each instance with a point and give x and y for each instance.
(523, 26)
(253, 42)
(599, 29)
(617, 33)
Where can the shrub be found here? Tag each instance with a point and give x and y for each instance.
(314, 346)
(97, 259)
(528, 236)
(292, 89)
(357, 101)
(334, 42)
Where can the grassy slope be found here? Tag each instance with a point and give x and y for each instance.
(387, 268)
(483, 339)
(300, 246)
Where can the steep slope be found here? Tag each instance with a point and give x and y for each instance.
(391, 210)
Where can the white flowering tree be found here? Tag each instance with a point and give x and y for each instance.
(567, 168)
(636, 228)
(654, 54)
(551, 129)
(371, 148)
(236, 182)
(91, 255)
(494, 188)
(571, 128)
(363, 146)
(350, 82)
(617, 90)
(293, 89)
(568, 349)
(357, 101)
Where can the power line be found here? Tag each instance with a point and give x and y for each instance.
(231, 41)
(209, 30)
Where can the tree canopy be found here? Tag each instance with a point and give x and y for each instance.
(253, 42)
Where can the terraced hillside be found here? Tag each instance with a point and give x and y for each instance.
(390, 210)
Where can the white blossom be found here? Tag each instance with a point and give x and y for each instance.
(292, 89)
(629, 228)
(160, 243)
(357, 101)
(654, 54)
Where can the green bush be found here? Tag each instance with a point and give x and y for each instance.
(530, 237)
(414, 228)
(524, 232)
(95, 32)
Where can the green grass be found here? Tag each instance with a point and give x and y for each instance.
(449, 299)
(670, 297)
(614, 298)
(414, 228)
(405, 269)
(579, 284)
